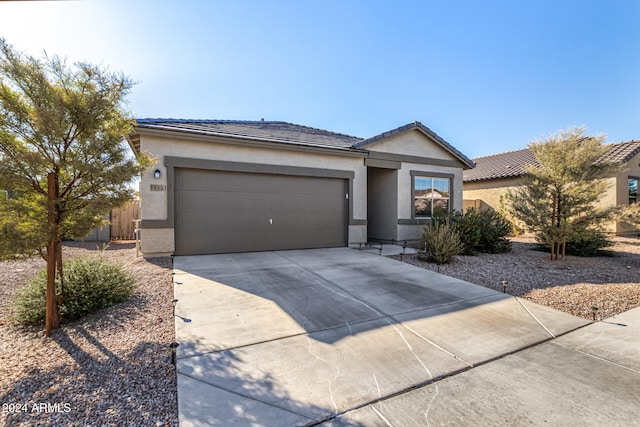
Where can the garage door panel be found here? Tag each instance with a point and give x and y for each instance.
(217, 212)
(201, 223)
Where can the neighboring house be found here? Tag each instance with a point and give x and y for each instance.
(494, 176)
(236, 186)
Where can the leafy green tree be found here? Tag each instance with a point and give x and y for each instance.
(67, 123)
(560, 200)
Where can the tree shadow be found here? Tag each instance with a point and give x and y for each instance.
(96, 387)
(217, 391)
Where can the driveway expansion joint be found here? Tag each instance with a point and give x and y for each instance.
(602, 359)
(534, 317)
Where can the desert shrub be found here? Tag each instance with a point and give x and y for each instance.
(89, 285)
(439, 242)
(468, 231)
(585, 244)
(29, 306)
(483, 231)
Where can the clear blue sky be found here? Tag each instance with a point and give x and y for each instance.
(488, 76)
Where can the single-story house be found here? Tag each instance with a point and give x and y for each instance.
(222, 186)
(494, 176)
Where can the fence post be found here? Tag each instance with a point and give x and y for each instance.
(136, 233)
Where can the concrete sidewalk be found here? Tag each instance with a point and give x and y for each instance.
(590, 377)
(303, 337)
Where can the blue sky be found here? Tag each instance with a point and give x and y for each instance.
(488, 76)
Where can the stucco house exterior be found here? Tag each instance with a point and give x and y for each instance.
(495, 175)
(222, 186)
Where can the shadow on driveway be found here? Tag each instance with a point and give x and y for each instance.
(315, 333)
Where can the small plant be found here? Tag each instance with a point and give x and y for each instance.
(439, 243)
(89, 285)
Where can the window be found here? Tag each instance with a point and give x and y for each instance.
(633, 189)
(431, 196)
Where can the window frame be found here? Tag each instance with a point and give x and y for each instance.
(637, 180)
(433, 175)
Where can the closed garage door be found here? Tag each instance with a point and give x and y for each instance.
(221, 211)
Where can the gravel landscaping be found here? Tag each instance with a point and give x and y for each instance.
(111, 368)
(573, 285)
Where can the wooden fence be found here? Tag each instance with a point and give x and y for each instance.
(122, 225)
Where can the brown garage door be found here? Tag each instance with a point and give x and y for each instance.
(221, 211)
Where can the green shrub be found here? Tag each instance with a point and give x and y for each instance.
(439, 243)
(30, 304)
(89, 285)
(587, 243)
(588, 247)
(483, 231)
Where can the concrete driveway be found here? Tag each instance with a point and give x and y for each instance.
(351, 338)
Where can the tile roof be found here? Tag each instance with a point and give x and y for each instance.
(622, 152)
(513, 164)
(504, 165)
(417, 125)
(271, 131)
(288, 133)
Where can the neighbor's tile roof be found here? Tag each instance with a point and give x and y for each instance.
(622, 152)
(271, 131)
(504, 165)
(513, 164)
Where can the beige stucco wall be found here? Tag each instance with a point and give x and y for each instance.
(357, 234)
(154, 203)
(631, 169)
(413, 142)
(157, 242)
(489, 192)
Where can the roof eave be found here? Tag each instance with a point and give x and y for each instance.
(244, 140)
(493, 178)
(134, 141)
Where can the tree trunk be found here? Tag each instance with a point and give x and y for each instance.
(52, 321)
(60, 298)
(59, 270)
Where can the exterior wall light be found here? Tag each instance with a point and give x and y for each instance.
(157, 174)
